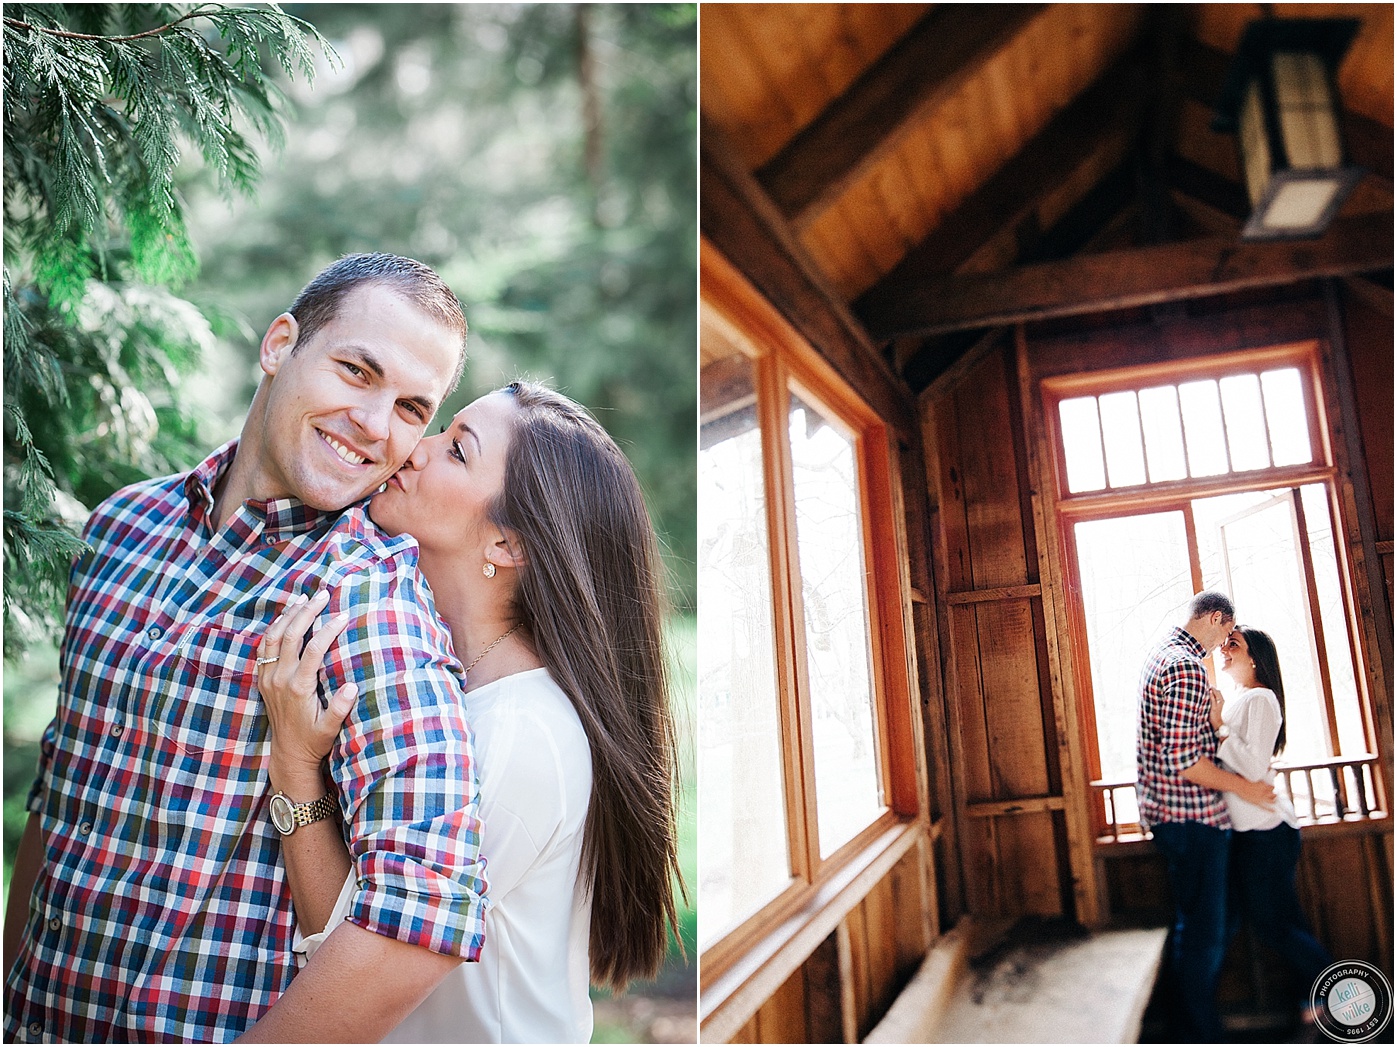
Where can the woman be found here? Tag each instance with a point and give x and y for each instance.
(542, 560)
(1265, 843)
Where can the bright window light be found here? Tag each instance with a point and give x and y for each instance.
(1203, 432)
(1081, 444)
(1246, 422)
(1164, 434)
(1120, 428)
(1285, 417)
(848, 778)
(740, 788)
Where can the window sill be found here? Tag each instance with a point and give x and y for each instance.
(764, 965)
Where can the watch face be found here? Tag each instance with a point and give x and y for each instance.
(283, 815)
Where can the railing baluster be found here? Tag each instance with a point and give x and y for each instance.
(1358, 797)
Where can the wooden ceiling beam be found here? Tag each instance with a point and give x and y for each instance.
(926, 66)
(1127, 279)
(1207, 218)
(1104, 214)
(1082, 144)
(1207, 186)
(740, 221)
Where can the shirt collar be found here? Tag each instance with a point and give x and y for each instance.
(282, 518)
(1188, 640)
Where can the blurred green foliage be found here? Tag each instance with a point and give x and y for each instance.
(99, 104)
(543, 159)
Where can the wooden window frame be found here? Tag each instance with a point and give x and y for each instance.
(1175, 495)
(784, 362)
(1302, 355)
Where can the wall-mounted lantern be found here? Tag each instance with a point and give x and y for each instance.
(1281, 102)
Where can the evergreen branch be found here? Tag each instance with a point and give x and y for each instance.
(15, 23)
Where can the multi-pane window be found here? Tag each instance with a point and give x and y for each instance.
(1160, 432)
(746, 855)
(793, 751)
(1206, 475)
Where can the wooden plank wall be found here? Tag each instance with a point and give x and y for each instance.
(1007, 782)
(1367, 313)
(1004, 740)
(920, 518)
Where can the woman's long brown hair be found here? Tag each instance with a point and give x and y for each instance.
(591, 593)
(1268, 672)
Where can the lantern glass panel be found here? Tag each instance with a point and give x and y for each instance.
(1256, 151)
(1306, 111)
(1300, 204)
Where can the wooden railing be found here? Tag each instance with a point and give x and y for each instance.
(1340, 789)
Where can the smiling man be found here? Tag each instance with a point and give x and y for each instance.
(148, 900)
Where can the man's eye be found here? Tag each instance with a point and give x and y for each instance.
(413, 409)
(354, 369)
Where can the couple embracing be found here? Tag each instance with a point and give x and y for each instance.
(334, 769)
(1230, 843)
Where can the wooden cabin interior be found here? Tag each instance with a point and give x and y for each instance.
(991, 383)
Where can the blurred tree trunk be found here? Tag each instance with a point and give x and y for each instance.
(591, 109)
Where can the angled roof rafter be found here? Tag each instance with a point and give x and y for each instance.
(1083, 144)
(945, 48)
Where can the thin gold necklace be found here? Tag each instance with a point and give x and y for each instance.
(487, 650)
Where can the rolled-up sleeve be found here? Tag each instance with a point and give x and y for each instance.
(406, 775)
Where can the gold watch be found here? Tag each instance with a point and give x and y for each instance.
(288, 815)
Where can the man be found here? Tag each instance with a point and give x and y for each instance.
(1180, 789)
(148, 901)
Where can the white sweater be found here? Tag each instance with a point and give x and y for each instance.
(531, 983)
(1253, 719)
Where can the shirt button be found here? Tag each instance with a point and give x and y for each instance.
(155, 632)
(35, 1029)
(117, 728)
(85, 828)
(55, 923)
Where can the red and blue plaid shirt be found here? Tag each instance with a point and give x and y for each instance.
(162, 911)
(1175, 734)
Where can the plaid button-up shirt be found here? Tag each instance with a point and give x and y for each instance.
(1175, 734)
(162, 911)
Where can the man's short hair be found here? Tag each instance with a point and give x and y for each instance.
(319, 300)
(1206, 602)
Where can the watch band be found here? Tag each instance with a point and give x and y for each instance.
(288, 815)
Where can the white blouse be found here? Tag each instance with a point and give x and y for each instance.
(531, 983)
(1253, 719)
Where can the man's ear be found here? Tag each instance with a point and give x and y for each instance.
(278, 343)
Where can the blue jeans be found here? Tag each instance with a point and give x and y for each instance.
(1196, 857)
(1263, 893)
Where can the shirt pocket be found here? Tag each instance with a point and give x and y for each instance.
(206, 701)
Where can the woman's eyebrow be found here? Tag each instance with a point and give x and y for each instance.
(473, 435)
